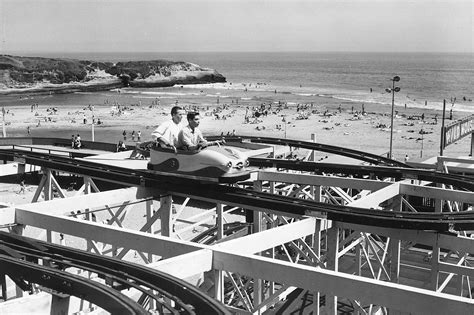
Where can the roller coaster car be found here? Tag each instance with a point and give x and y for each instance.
(215, 163)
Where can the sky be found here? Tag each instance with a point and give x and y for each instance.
(236, 25)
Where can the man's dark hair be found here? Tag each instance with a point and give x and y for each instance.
(175, 109)
(192, 115)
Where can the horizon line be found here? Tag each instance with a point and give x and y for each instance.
(235, 52)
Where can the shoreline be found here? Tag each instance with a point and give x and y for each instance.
(332, 121)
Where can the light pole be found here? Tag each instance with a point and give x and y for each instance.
(393, 90)
(92, 125)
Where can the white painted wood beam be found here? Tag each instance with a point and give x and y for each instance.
(65, 206)
(377, 197)
(394, 296)
(305, 179)
(453, 242)
(418, 236)
(437, 193)
(7, 216)
(456, 269)
(459, 243)
(119, 237)
(249, 244)
(185, 265)
(239, 205)
(458, 160)
(261, 241)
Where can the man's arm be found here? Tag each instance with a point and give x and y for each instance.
(204, 143)
(159, 134)
(200, 139)
(185, 138)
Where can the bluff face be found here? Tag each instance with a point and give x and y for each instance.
(45, 75)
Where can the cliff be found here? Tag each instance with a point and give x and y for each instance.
(45, 75)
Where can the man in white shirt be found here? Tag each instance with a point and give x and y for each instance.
(167, 133)
(190, 137)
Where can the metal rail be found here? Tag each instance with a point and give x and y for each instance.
(99, 294)
(351, 153)
(209, 236)
(256, 200)
(188, 299)
(459, 181)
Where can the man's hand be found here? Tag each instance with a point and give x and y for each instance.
(219, 142)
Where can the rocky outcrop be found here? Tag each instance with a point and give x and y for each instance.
(46, 75)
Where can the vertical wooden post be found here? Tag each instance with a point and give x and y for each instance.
(332, 264)
(312, 156)
(21, 168)
(3, 285)
(257, 227)
(395, 246)
(166, 203)
(317, 193)
(149, 215)
(87, 191)
(395, 260)
(218, 274)
(272, 250)
(48, 185)
(220, 221)
(47, 190)
(472, 144)
(17, 230)
(439, 203)
(358, 258)
(460, 283)
(317, 251)
(219, 285)
(435, 265)
(60, 304)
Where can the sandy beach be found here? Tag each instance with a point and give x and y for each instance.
(360, 126)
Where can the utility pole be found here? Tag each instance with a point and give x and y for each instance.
(392, 90)
(443, 139)
(3, 123)
(92, 125)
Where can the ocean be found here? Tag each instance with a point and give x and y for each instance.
(425, 78)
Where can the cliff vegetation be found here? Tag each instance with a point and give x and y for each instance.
(38, 74)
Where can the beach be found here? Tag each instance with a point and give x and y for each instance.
(244, 111)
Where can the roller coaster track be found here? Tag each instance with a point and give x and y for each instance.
(18, 255)
(209, 236)
(101, 295)
(382, 167)
(257, 200)
(459, 181)
(121, 274)
(350, 153)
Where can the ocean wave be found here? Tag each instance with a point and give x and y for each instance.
(409, 103)
(304, 94)
(218, 95)
(152, 97)
(342, 94)
(153, 93)
(357, 96)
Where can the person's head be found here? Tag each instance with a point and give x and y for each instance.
(193, 119)
(177, 113)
